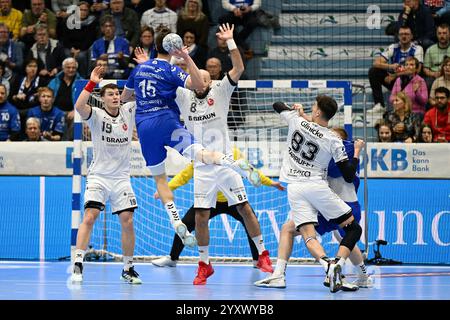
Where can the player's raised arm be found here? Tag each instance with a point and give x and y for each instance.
(81, 104)
(195, 80)
(348, 167)
(226, 33)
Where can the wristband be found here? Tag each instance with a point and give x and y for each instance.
(231, 44)
(90, 86)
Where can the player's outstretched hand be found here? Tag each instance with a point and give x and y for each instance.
(278, 185)
(181, 53)
(141, 56)
(359, 144)
(156, 195)
(226, 32)
(299, 108)
(97, 74)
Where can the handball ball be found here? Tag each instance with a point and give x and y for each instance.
(172, 42)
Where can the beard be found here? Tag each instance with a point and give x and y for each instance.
(203, 95)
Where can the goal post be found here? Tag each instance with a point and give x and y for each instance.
(257, 131)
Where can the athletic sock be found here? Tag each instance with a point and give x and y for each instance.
(79, 255)
(204, 253)
(361, 268)
(127, 262)
(340, 261)
(172, 211)
(324, 261)
(280, 268)
(259, 243)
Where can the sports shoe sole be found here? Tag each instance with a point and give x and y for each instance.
(131, 281)
(336, 281)
(253, 176)
(262, 284)
(187, 238)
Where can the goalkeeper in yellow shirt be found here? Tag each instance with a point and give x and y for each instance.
(181, 179)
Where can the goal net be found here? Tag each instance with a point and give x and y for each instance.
(259, 134)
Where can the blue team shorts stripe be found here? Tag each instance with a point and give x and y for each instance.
(328, 226)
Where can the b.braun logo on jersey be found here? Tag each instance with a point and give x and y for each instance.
(210, 102)
(125, 127)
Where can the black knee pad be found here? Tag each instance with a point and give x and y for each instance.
(353, 233)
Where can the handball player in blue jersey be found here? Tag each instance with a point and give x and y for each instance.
(154, 84)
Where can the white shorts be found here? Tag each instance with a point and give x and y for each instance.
(118, 191)
(209, 179)
(308, 198)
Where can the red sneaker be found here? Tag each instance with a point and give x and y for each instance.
(264, 264)
(203, 272)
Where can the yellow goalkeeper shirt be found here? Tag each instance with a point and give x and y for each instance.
(187, 173)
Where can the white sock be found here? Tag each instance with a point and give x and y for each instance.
(280, 268)
(259, 243)
(361, 269)
(324, 262)
(172, 211)
(204, 253)
(127, 262)
(340, 262)
(79, 255)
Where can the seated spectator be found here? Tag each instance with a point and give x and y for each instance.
(222, 53)
(64, 90)
(48, 52)
(115, 49)
(434, 5)
(98, 6)
(442, 81)
(420, 20)
(38, 15)
(140, 6)
(425, 134)
(192, 18)
(3, 79)
(11, 52)
(59, 7)
(387, 67)
(146, 42)
(384, 131)
(214, 67)
(413, 86)
(24, 88)
(438, 117)
(179, 62)
(125, 21)
(9, 118)
(77, 41)
(52, 119)
(196, 52)
(435, 55)
(405, 124)
(241, 13)
(442, 15)
(160, 17)
(11, 17)
(33, 130)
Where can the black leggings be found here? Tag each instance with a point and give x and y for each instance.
(189, 221)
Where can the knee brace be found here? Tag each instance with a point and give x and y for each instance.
(353, 233)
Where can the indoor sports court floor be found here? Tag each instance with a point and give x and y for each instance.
(50, 281)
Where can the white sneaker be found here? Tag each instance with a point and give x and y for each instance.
(77, 273)
(164, 262)
(272, 282)
(335, 276)
(364, 281)
(246, 170)
(186, 237)
(378, 108)
(346, 286)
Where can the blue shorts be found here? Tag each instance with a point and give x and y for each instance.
(328, 226)
(157, 132)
